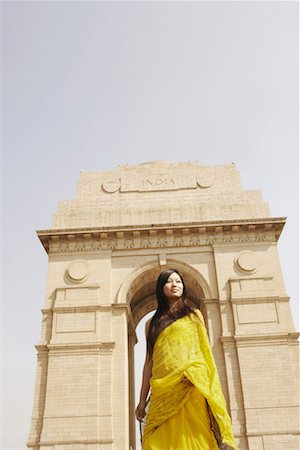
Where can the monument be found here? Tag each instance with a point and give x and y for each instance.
(106, 249)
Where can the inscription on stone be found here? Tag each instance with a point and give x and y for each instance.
(157, 182)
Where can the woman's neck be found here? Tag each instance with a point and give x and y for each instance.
(174, 304)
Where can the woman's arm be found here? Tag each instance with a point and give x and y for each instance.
(147, 371)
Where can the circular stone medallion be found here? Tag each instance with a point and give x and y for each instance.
(78, 270)
(246, 261)
(205, 180)
(111, 186)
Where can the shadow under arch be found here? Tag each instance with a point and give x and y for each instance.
(138, 292)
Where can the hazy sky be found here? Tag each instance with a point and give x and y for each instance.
(90, 85)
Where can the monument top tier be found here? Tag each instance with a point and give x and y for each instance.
(159, 192)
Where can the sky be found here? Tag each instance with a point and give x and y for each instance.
(92, 85)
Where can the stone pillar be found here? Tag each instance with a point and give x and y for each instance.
(73, 406)
(132, 340)
(259, 344)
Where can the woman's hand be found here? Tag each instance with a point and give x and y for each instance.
(140, 412)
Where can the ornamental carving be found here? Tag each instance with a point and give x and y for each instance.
(157, 182)
(78, 271)
(176, 236)
(246, 261)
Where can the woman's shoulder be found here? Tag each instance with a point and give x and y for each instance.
(198, 313)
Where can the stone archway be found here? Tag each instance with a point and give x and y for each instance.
(106, 248)
(138, 288)
(139, 291)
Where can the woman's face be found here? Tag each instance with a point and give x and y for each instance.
(173, 288)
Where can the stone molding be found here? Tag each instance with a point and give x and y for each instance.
(88, 308)
(72, 309)
(102, 347)
(69, 442)
(250, 340)
(160, 236)
(249, 300)
(271, 433)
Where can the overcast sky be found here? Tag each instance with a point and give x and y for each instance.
(89, 86)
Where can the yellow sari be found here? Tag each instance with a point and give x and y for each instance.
(184, 379)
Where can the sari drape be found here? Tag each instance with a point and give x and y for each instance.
(184, 380)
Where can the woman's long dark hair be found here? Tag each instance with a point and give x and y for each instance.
(163, 308)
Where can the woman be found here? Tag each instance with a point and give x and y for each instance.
(186, 396)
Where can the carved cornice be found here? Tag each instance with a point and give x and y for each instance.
(161, 236)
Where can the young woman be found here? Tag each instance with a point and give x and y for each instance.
(187, 409)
